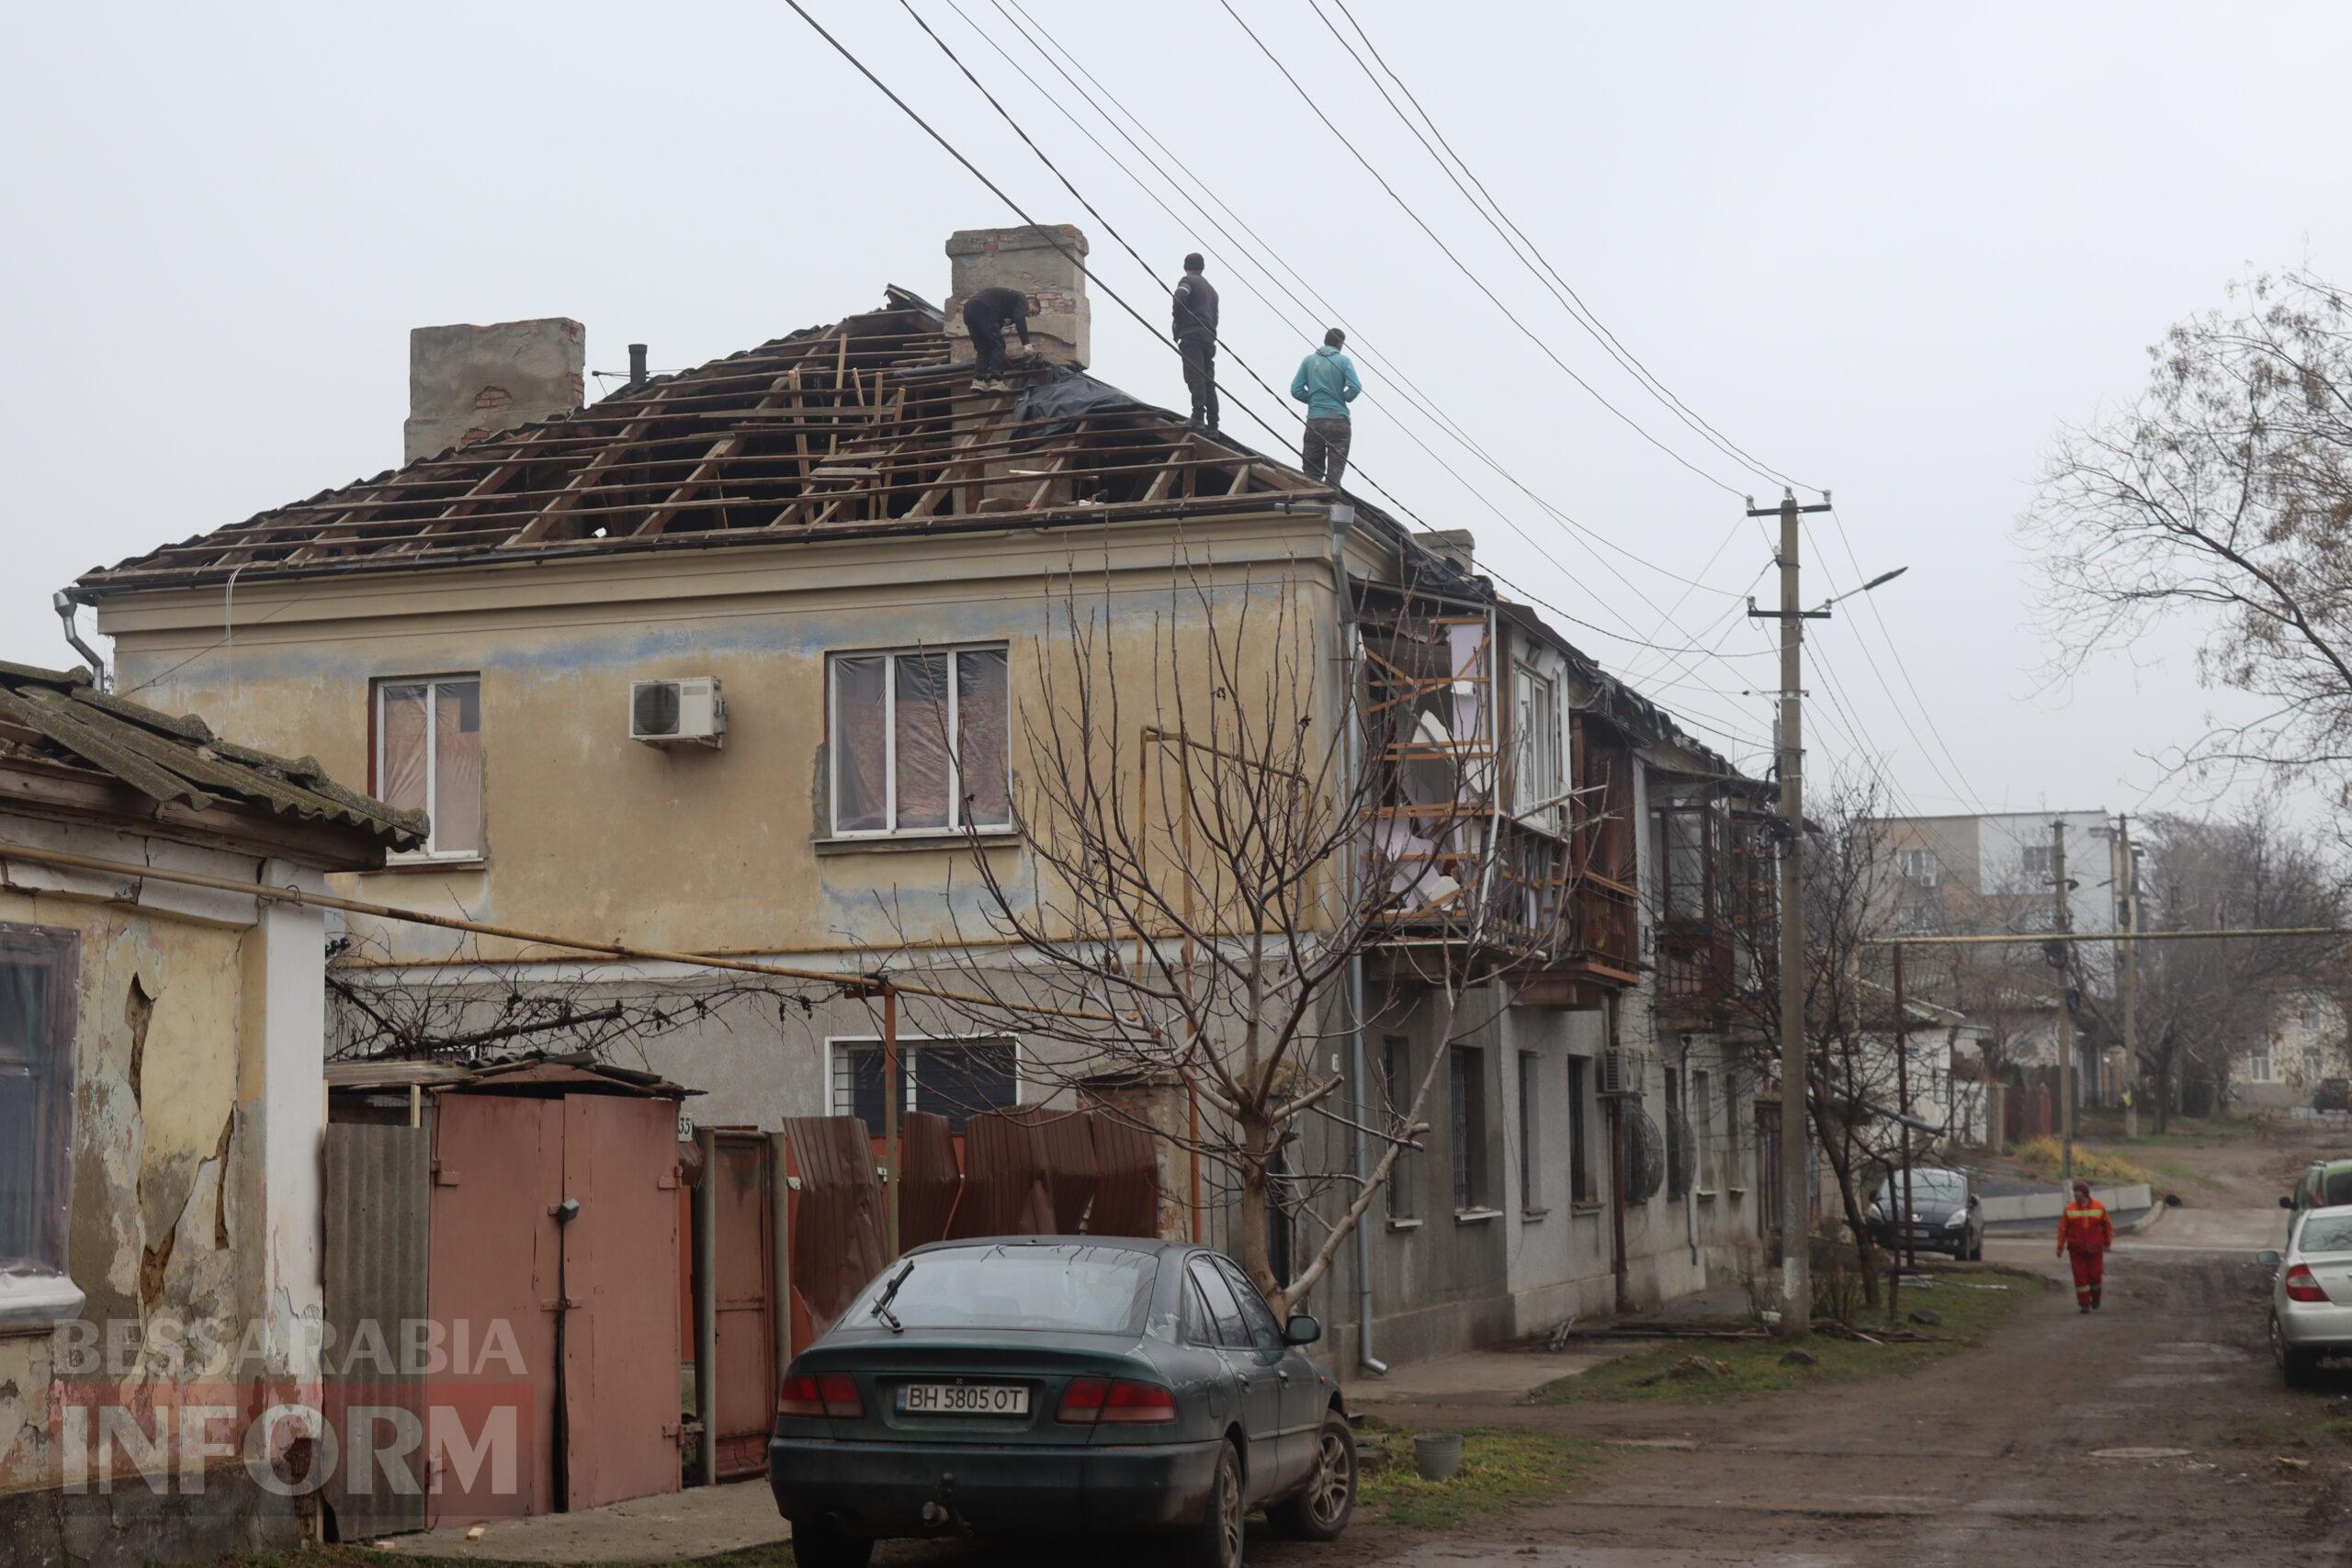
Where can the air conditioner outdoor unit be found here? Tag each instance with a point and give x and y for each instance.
(1622, 1071)
(667, 713)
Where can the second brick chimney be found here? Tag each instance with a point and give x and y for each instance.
(465, 382)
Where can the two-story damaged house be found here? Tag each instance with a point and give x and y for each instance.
(737, 660)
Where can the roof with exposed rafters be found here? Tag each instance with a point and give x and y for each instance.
(863, 426)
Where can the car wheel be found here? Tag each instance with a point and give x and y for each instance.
(1215, 1541)
(2295, 1367)
(819, 1543)
(1322, 1511)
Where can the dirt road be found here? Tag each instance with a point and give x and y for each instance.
(2019, 1455)
(2001, 1457)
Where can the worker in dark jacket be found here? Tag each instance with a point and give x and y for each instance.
(1194, 307)
(985, 315)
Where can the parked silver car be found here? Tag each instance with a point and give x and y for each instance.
(2311, 1298)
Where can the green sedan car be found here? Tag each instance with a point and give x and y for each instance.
(1059, 1383)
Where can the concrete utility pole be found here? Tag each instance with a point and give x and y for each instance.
(1796, 1209)
(2127, 885)
(2059, 888)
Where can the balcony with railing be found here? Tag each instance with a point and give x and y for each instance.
(1718, 901)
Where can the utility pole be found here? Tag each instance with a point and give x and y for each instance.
(1796, 1208)
(1905, 1243)
(2128, 882)
(2059, 887)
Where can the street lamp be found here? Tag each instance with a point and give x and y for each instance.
(1879, 581)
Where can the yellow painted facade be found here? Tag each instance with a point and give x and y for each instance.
(588, 832)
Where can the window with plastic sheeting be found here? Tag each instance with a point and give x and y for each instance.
(919, 741)
(37, 992)
(429, 759)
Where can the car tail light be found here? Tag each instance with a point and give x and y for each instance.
(834, 1394)
(2302, 1287)
(798, 1396)
(1088, 1400)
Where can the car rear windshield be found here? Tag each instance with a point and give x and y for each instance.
(2327, 1232)
(1071, 1289)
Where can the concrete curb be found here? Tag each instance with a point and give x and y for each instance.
(2047, 1205)
(2146, 1221)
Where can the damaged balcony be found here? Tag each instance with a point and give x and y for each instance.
(1718, 901)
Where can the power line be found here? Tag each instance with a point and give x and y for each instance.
(1006, 197)
(1902, 667)
(1570, 302)
(1413, 393)
(1308, 98)
(1365, 476)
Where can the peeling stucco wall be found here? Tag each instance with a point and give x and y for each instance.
(158, 1170)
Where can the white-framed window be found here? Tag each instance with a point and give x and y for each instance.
(1396, 1079)
(1466, 1092)
(1919, 865)
(39, 990)
(920, 741)
(955, 1078)
(1702, 1118)
(1531, 1166)
(428, 758)
(2034, 860)
(2257, 1064)
(1541, 765)
(1581, 1186)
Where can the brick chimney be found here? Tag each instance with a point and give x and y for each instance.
(1457, 546)
(465, 382)
(1027, 259)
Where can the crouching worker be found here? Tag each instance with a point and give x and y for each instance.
(985, 315)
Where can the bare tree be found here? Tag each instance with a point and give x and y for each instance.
(1852, 1089)
(2200, 1002)
(464, 1007)
(2225, 489)
(1226, 807)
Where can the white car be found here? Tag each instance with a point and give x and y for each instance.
(2311, 1298)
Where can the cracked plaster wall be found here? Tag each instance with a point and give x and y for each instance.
(162, 1173)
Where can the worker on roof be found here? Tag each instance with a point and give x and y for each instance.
(1327, 384)
(1194, 307)
(2084, 1234)
(985, 315)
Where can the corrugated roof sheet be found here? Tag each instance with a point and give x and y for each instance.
(56, 716)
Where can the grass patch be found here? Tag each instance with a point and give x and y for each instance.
(1740, 1367)
(1501, 1470)
(2045, 1159)
(776, 1555)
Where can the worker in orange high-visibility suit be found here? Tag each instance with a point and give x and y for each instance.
(2085, 1233)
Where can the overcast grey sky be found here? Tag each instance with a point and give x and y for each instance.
(1883, 248)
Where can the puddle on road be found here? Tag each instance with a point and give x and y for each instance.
(2170, 1380)
(2142, 1455)
(2195, 1350)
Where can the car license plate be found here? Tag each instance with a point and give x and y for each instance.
(963, 1399)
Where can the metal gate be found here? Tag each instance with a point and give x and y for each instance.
(743, 1201)
(580, 1299)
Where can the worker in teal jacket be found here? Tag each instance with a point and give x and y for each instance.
(1327, 384)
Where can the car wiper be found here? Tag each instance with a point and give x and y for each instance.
(881, 1307)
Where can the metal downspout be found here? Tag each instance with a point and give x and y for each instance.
(1342, 520)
